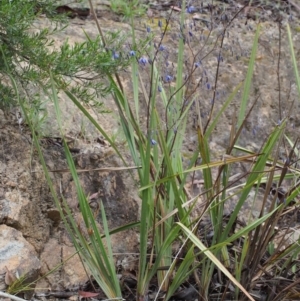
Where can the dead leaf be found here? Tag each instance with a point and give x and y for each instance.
(94, 196)
(10, 278)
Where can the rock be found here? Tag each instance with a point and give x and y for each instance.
(18, 256)
(54, 215)
(61, 276)
(10, 210)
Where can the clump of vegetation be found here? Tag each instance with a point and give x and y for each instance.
(28, 54)
(220, 257)
(128, 8)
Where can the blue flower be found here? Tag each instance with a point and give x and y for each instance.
(143, 61)
(115, 55)
(220, 58)
(159, 23)
(197, 64)
(148, 29)
(168, 78)
(161, 48)
(191, 9)
(153, 142)
(132, 53)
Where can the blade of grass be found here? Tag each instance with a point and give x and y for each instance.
(294, 61)
(214, 259)
(248, 79)
(94, 122)
(257, 169)
(101, 263)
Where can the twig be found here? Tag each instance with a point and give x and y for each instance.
(5, 295)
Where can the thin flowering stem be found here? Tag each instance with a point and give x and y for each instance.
(210, 51)
(235, 138)
(218, 67)
(152, 64)
(191, 72)
(103, 40)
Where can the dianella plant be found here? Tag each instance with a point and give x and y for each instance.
(228, 256)
(188, 247)
(155, 141)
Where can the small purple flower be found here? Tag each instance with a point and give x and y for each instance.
(143, 61)
(168, 78)
(153, 142)
(132, 53)
(197, 64)
(208, 86)
(159, 89)
(159, 23)
(190, 34)
(254, 131)
(161, 48)
(220, 58)
(191, 9)
(115, 55)
(148, 29)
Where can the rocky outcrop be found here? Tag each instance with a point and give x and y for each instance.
(18, 258)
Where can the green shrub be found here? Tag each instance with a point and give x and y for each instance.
(28, 53)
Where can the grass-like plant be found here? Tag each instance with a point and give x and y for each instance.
(226, 262)
(155, 146)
